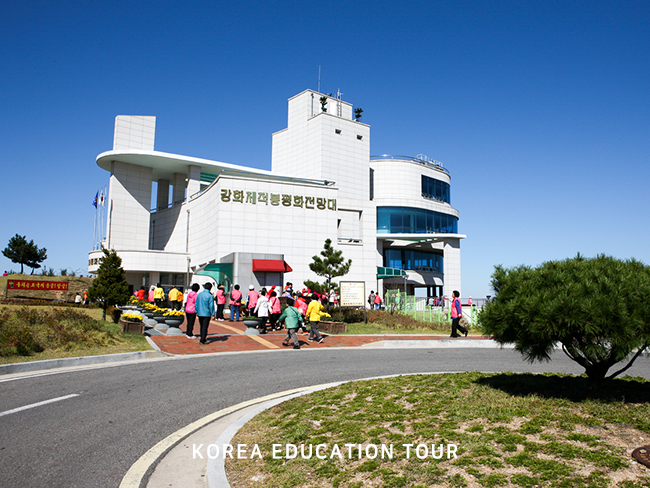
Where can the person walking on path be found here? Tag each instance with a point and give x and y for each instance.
(314, 314)
(276, 310)
(141, 293)
(456, 314)
(377, 301)
(159, 296)
(190, 311)
(301, 305)
(235, 303)
(251, 303)
(371, 299)
(205, 310)
(262, 310)
(150, 294)
(292, 319)
(221, 302)
(173, 298)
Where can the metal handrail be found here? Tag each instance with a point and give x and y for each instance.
(431, 163)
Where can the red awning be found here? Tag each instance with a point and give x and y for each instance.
(273, 265)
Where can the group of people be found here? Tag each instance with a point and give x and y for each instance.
(374, 300)
(302, 309)
(157, 295)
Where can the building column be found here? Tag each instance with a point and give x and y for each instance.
(452, 266)
(163, 194)
(178, 195)
(193, 181)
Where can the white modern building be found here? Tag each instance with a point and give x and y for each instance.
(391, 215)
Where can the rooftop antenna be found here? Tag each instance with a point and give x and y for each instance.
(319, 78)
(338, 102)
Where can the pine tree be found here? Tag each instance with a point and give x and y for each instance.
(110, 287)
(596, 309)
(331, 265)
(24, 253)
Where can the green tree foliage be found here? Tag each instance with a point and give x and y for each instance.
(331, 265)
(24, 253)
(597, 309)
(323, 103)
(110, 287)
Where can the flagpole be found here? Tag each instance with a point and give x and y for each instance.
(102, 220)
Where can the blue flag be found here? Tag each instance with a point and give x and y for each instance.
(95, 200)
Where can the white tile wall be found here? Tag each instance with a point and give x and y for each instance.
(134, 132)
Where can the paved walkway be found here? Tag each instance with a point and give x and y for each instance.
(229, 336)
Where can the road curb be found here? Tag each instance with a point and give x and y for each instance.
(78, 361)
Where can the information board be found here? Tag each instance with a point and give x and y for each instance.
(353, 294)
(36, 285)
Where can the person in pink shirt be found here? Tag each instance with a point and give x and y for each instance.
(221, 303)
(253, 296)
(150, 295)
(301, 305)
(190, 311)
(276, 311)
(235, 303)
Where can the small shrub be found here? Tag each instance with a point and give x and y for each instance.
(116, 313)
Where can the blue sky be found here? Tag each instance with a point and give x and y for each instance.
(539, 110)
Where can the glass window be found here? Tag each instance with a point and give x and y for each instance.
(407, 220)
(414, 260)
(436, 189)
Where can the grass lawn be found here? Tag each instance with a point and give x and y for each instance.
(510, 430)
(113, 340)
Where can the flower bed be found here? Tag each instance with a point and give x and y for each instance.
(132, 327)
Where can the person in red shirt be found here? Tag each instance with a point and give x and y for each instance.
(141, 293)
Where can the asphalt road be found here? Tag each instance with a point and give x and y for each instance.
(92, 439)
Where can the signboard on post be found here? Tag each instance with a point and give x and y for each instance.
(353, 294)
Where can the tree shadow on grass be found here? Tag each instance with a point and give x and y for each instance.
(573, 388)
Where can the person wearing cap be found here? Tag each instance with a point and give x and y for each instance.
(263, 310)
(253, 296)
(288, 290)
(204, 310)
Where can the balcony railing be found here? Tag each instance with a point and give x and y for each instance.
(419, 159)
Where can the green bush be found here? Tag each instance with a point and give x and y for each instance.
(348, 315)
(116, 313)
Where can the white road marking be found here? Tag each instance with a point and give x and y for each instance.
(33, 405)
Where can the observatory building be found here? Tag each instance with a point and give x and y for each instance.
(392, 215)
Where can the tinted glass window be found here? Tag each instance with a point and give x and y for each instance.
(413, 260)
(436, 189)
(408, 220)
